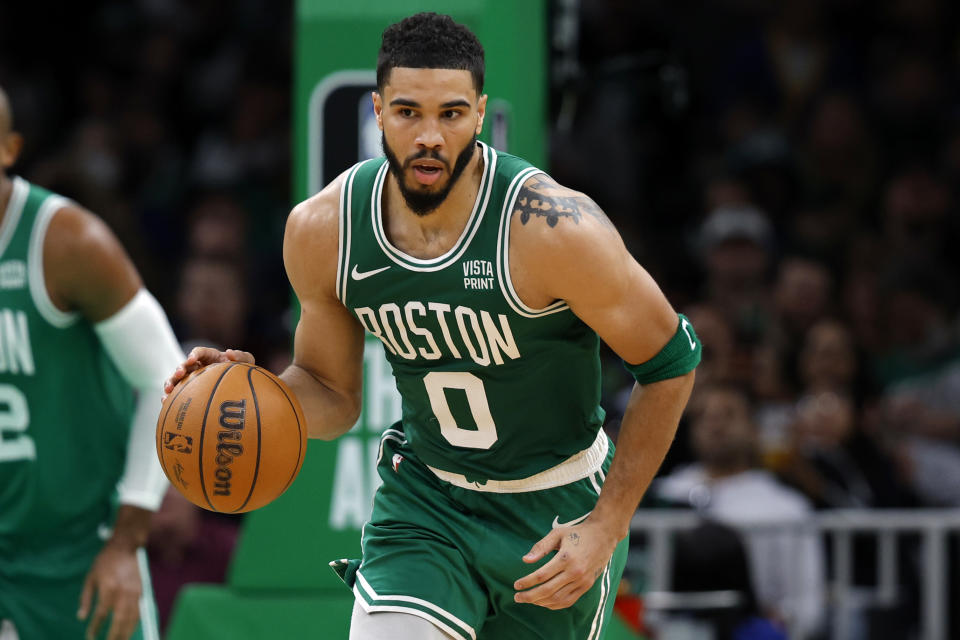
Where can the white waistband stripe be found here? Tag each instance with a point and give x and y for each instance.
(576, 467)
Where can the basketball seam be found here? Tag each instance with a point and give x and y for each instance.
(256, 468)
(203, 428)
(299, 434)
(163, 423)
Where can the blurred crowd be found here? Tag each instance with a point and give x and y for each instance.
(796, 198)
(171, 120)
(786, 170)
(788, 173)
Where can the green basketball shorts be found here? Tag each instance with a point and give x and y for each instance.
(450, 553)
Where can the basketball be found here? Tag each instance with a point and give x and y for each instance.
(231, 437)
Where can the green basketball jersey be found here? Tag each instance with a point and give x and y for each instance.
(65, 411)
(491, 388)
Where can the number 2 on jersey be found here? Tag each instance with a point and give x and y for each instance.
(486, 432)
(15, 444)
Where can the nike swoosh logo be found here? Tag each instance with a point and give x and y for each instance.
(557, 523)
(358, 275)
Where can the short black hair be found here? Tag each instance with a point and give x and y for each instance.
(430, 41)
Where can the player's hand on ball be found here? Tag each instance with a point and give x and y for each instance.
(200, 357)
(583, 551)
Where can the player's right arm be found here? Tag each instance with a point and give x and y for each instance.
(326, 374)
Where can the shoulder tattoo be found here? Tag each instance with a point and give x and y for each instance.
(546, 199)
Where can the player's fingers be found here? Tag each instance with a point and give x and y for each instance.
(171, 382)
(544, 573)
(188, 365)
(86, 595)
(240, 356)
(545, 545)
(99, 615)
(545, 592)
(123, 622)
(197, 358)
(563, 597)
(202, 356)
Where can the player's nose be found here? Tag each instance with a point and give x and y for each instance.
(430, 136)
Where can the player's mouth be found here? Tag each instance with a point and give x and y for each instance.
(427, 172)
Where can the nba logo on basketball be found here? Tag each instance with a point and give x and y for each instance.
(397, 459)
(177, 442)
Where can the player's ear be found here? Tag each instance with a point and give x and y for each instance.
(481, 112)
(10, 147)
(377, 108)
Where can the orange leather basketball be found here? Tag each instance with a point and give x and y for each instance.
(231, 437)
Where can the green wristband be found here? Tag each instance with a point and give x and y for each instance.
(679, 356)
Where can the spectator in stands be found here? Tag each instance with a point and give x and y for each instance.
(860, 293)
(727, 484)
(916, 218)
(218, 226)
(786, 62)
(830, 457)
(212, 303)
(920, 371)
(736, 245)
(828, 358)
(802, 295)
(774, 396)
(712, 558)
(834, 462)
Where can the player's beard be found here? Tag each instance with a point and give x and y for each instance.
(424, 202)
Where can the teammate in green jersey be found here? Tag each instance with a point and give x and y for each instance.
(503, 511)
(84, 350)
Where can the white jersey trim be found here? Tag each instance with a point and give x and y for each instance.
(18, 197)
(389, 434)
(8, 631)
(344, 233)
(148, 609)
(596, 628)
(36, 276)
(466, 236)
(596, 485)
(503, 253)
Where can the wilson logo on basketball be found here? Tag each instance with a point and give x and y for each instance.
(232, 417)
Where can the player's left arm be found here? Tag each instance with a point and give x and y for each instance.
(87, 271)
(581, 259)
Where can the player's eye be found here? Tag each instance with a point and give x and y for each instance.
(406, 112)
(450, 114)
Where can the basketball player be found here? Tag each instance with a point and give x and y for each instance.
(83, 353)
(488, 284)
